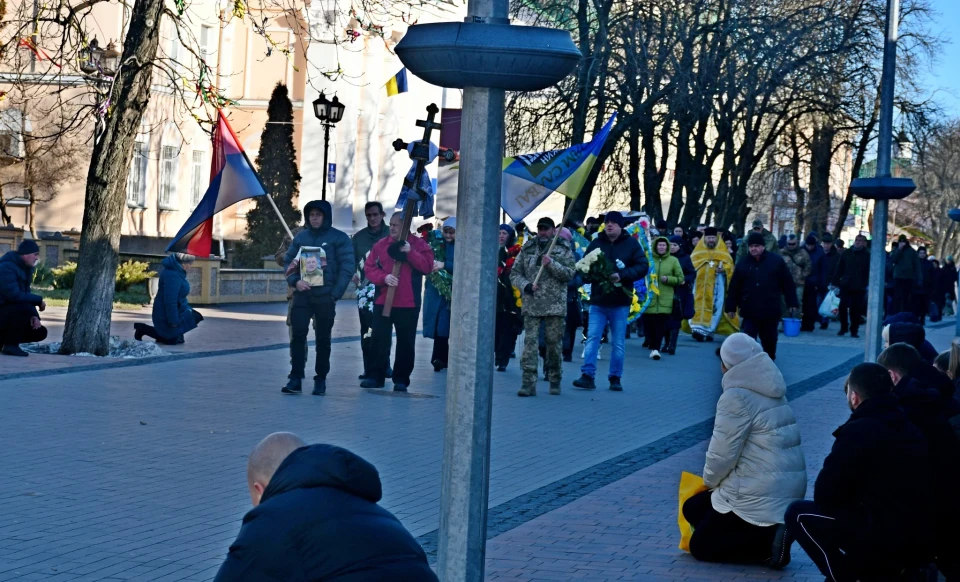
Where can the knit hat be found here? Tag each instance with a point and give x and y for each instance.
(758, 223)
(902, 238)
(28, 247)
(676, 240)
(614, 217)
(450, 223)
(738, 348)
(184, 258)
(546, 222)
(812, 240)
(508, 229)
(828, 238)
(791, 238)
(755, 238)
(710, 231)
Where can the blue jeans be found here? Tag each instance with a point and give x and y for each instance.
(599, 317)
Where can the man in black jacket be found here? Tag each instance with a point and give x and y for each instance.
(926, 396)
(19, 319)
(870, 517)
(630, 264)
(317, 302)
(363, 241)
(852, 276)
(759, 281)
(315, 517)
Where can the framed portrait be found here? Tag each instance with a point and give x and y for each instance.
(312, 261)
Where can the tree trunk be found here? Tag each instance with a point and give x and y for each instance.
(795, 177)
(820, 158)
(633, 170)
(87, 327)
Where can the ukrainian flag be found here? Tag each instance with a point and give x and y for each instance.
(398, 83)
(529, 179)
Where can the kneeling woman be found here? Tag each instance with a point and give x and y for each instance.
(172, 315)
(755, 466)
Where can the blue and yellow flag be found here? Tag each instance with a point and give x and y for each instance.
(529, 179)
(397, 83)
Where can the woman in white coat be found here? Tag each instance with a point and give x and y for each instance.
(755, 466)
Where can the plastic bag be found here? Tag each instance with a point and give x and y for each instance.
(831, 305)
(690, 485)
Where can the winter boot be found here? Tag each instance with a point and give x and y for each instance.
(142, 329)
(615, 384)
(372, 382)
(672, 342)
(586, 382)
(555, 388)
(293, 387)
(319, 387)
(14, 350)
(399, 387)
(780, 555)
(527, 391)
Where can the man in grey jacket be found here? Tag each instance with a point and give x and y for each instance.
(316, 302)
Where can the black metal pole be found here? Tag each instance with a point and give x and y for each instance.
(326, 169)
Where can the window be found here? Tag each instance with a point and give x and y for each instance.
(168, 178)
(197, 188)
(137, 178)
(206, 33)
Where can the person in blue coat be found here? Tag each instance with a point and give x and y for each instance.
(19, 316)
(172, 315)
(436, 307)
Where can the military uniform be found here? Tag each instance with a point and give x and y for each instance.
(547, 305)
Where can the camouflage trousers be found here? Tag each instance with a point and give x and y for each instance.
(553, 337)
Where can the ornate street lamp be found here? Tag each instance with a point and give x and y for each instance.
(98, 62)
(329, 113)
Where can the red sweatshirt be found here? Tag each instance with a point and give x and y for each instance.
(380, 264)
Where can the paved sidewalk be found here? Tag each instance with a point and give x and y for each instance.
(136, 470)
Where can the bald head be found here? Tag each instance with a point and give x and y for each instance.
(266, 459)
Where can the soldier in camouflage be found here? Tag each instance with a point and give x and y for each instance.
(544, 302)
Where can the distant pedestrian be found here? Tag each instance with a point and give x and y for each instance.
(759, 282)
(312, 302)
(946, 286)
(613, 307)
(544, 302)
(851, 277)
(315, 517)
(416, 260)
(798, 263)
(19, 308)
(755, 465)
(509, 318)
(715, 266)
(172, 315)
(906, 275)
(669, 275)
(809, 303)
(436, 302)
(574, 304)
(872, 512)
(683, 293)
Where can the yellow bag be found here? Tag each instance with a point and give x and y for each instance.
(690, 485)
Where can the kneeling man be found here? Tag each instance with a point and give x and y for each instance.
(19, 319)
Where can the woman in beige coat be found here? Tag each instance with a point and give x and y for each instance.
(755, 466)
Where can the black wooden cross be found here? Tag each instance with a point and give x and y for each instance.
(421, 153)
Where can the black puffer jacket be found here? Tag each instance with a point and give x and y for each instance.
(319, 520)
(757, 286)
(339, 253)
(15, 278)
(876, 481)
(853, 270)
(627, 250)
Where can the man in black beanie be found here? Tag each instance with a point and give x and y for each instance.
(759, 281)
(19, 319)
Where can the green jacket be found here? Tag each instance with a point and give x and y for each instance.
(551, 295)
(668, 266)
(906, 264)
(769, 242)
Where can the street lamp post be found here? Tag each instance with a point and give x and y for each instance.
(882, 188)
(100, 66)
(329, 113)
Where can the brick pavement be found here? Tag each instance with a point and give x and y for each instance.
(149, 482)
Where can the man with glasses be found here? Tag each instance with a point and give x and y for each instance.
(363, 241)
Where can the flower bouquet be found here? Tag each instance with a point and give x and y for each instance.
(366, 295)
(441, 279)
(596, 268)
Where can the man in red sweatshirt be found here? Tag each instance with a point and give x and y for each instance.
(416, 258)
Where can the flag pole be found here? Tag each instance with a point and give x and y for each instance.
(554, 241)
(280, 216)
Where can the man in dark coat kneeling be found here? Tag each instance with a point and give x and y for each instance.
(315, 517)
(19, 318)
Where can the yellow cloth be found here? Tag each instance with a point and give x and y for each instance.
(690, 485)
(705, 261)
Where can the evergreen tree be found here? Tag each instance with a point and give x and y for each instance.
(277, 165)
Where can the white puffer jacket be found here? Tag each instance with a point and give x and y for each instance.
(755, 465)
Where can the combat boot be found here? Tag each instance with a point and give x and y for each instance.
(555, 388)
(527, 391)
